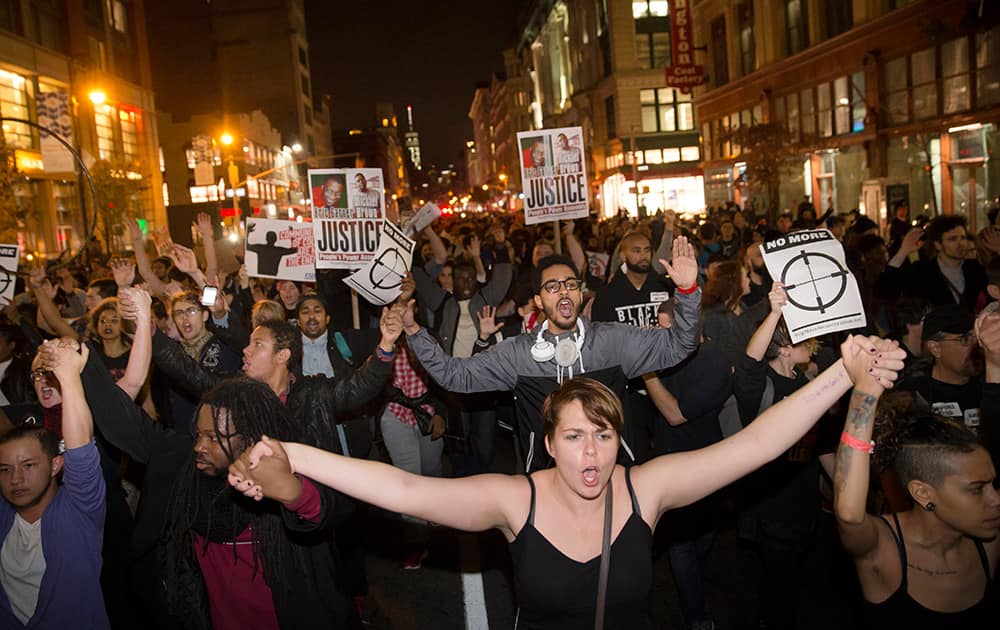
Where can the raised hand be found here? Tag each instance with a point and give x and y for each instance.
(777, 297)
(391, 325)
(683, 269)
(487, 322)
(244, 277)
(567, 228)
(410, 324)
(123, 271)
(204, 226)
(911, 242)
(474, 245)
(64, 357)
(134, 231)
(407, 285)
(990, 238)
(872, 363)
(668, 219)
(184, 259)
(134, 304)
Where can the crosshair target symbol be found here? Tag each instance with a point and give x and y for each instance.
(826, 277)
(6, 278)
(387, 270)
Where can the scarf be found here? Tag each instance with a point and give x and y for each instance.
(194, 347)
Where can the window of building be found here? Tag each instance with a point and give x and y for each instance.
(841, 106)
(690, 154)
(748, 43)
(307, 113)
(609, 117)
(652, 156)
(896, 94)
(103, 122)
(824, 111)
(666, 109)
(797, 26)
(652, 34)
(48, 24)
(988, 67)
(10, 16)
(303, 59)
(778, 111)
(793, 116)
(923, 79)
(671, 155)
(604, 36)
(130, 134)
(119, 16)
(734, 123)
(706, 140)
(838, 17)
(305, 85)
(14, 94)
(955, 88)
(807, 113)
(720, 59)
(859, 107)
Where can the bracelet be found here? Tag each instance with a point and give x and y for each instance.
(688, 291)
(850, 441)
(382, 354)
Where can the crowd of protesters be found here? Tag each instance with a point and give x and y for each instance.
(203, 462)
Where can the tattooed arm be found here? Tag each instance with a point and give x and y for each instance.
(859, 531)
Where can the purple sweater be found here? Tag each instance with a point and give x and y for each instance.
(72, 535)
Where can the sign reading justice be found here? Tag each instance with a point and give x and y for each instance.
(348, 212)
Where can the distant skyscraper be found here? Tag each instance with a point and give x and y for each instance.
(412, 138)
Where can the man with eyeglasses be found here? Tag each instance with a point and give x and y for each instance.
(200, 344)
(565, 346)
(954, 386)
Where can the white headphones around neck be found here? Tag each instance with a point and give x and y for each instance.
(567, 352)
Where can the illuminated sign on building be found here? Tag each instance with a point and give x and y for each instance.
(28, 161)
(682, 73)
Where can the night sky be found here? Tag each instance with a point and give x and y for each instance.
(426, 54)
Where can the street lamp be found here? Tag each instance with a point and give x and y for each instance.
(97, 97)
(296, 148)
(226, 139)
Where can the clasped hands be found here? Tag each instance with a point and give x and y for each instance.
(264, 470)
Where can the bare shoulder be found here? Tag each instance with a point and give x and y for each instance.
(513, 496)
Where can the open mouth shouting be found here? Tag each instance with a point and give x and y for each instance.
(591, 476)
(565, 308)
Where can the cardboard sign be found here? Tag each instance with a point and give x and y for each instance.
(553, 176)
(424, 217)
(280, 249)
(379, 281)
(348, 213)
(823, 295)
(9, 257)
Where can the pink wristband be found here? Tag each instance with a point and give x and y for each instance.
(859, 445)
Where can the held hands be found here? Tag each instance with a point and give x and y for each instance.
(265, 471)
(410, 325)
(391, 325)
(487, 322)
(407, 285)
(872, 363)
(134, 304)
(63, 357)
(777, 297)
(683, 269)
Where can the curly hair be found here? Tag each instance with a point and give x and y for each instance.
(94, 321)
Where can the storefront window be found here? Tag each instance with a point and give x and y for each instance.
(988, 67)
(896, 96)
(14, 93)
(955, 74)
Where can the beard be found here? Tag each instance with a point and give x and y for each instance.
(641, 267)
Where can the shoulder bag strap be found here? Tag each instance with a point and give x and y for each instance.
(602, 584)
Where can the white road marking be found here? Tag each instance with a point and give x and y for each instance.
(472, 583)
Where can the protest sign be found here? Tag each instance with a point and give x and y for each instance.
(348, 213)
(379, 280)
(553, 178)
(823, 295)
(424, 217)
(8, 272)
(280, 249)
(597, 263)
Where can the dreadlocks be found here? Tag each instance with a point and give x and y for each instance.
(242, 410)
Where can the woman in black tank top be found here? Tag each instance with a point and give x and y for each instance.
(554, 520)
(932, 566)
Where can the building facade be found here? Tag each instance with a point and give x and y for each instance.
(82, 66)
(483, 168)
(599, 64)
(876, 100)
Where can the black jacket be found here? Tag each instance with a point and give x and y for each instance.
(924, 279)
(314, 601)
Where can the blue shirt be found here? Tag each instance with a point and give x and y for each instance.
(316, 357)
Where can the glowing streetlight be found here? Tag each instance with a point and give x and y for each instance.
(297, 147)
(486, 187)
(97, 97)
(503, 177)
(226, 139)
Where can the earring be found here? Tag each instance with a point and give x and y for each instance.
(930, 506)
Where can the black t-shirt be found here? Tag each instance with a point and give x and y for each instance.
(961, 402)
(620, 301)
(709, 368)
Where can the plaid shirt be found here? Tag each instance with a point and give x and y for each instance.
(410, 378)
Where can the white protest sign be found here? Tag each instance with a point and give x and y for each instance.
(424, 217)
(823, 295)
(8, 272)
(379, 280)
(553, 178)
(348, 212)
(280, 249)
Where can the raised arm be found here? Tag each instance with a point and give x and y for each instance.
(66, 358)
(680, 479)
(573, 247)
(371, 378)
(472, 504)
(666, 242)
(204, 227)
(156, 286)
(761, 339)
(48, 314)
(135, 305)
(185, 260)
(440, 252)
(859, 533)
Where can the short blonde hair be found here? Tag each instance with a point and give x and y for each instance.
(266, 310)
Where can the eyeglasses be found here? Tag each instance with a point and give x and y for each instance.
(966, 340)
(570, 284)
(190, 311)
(39, 375)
